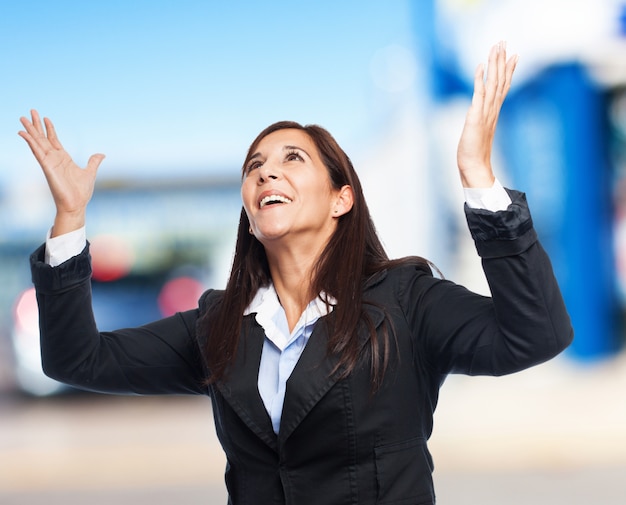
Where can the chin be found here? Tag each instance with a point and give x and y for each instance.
(270, 234)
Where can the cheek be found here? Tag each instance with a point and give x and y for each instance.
(324, 194)
(246, 196)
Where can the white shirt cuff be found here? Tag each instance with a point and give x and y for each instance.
(62, 248)
(493, 199)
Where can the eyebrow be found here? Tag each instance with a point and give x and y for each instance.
(291, 148)
(285, 148)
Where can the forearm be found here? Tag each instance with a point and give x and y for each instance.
(530, 316)
(523, 323)
(158, 358)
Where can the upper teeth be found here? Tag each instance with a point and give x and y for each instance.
(274, 198)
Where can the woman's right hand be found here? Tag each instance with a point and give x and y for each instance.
(70, 185)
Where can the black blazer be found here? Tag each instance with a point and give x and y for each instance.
(338, 443)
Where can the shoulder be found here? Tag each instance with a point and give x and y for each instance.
(210, 300)
(398, 275)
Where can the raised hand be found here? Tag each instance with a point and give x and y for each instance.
(475, 145)
(70, 185)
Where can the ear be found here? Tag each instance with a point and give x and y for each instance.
(344, 201)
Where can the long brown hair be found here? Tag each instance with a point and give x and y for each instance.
(352, 255)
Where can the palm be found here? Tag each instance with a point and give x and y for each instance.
(70, 185)
(474, 150)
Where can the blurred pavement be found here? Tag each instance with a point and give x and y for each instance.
(554, 434)
(550, 435)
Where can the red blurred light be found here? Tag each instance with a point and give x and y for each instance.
(111, 258)
(26, 313)
(179, 294)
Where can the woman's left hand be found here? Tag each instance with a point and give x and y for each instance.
(475, 145)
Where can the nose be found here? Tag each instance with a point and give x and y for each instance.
(267, 172)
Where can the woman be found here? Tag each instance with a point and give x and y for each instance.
(323, 358)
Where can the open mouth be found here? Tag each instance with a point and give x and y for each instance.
(273, 200)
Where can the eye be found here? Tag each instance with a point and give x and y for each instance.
(293, 156)
(253, 165)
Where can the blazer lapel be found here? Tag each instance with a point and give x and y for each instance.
(240, 388)
(309, 382)
(312, 377)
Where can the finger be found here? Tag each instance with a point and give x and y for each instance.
(52, 134)
(479, 85)
(36, 149)
(36, 121)
(501, 68)
(24, 133)
(94, 162)
(32, 130)
(28, 126)
(36, 140)
(510, 69)
(491, 81)
(25, 121)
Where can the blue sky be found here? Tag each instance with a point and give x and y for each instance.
(175, 86)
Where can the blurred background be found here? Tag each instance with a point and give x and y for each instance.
(173, 92)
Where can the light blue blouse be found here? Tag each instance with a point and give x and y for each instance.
(281, 349)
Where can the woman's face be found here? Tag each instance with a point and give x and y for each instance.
(287, 193)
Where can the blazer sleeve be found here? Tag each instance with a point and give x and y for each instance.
(523, 323)
(159, 358)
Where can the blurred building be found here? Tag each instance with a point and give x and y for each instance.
(561, 136)
(155, 245)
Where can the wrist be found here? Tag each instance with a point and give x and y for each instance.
(66, 222)
(482, 178)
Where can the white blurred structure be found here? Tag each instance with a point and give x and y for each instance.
(542, 32)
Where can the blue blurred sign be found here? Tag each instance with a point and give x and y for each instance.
(553, 138)
(553, 135)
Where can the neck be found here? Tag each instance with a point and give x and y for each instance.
(291, 269)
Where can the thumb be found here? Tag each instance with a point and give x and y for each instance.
(94, 162)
